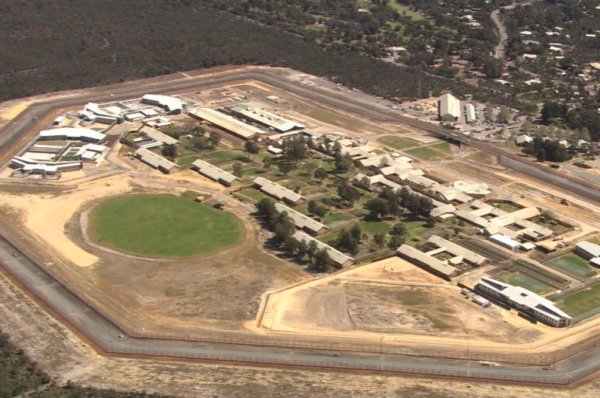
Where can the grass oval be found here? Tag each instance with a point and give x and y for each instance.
(162, 226)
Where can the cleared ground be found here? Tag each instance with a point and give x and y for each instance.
(428, 154)
(162, 226)
(398, 142)
(583, 301)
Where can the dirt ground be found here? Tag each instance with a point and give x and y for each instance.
(67, 358)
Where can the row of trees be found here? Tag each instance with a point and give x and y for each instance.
(284, 229)
(546, 150)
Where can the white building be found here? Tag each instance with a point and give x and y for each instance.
(448, 108)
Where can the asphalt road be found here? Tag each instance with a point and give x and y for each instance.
(111, 339)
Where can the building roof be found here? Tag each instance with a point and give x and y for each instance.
(525, 298)
(213, 172)
(472, 189)
(431, 262)
(300, 220)
(449, 105)
(73, 133)
(227, 122)
(94, 108)
(471, 117)
(457, 250)
(335, 255)
(377, 161)
(158, 136)
(523, 139)
(169, 103)
(505, 240)
(277, 190)
(267, 118)
(589, 247)
(154, 160)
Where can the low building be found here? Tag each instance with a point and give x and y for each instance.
(266, 118)
(302, 221)
(155, 160)
(72, 134)
(589, 251)
(524, 301)
(470, 113)
(214, 173)
(171, 105)
(448, 108)
(91, 152)
(227, 123)
(29, 166)
(279, 192)
(523, 139)
(158, 136)
(339, 259)
(505, 241)
(427, 262)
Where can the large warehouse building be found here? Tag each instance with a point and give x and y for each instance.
(266, 118)
(227, 123)
(448, 108)
(70, 133)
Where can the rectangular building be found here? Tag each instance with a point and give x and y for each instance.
(155, 160)
(302, 221)
(214, 173)
(227, 123)
(524, 301)
(279, 192)
(427, 262)
(448, 108)
(339, 259)
(266, 118)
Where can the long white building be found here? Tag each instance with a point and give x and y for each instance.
(448, 108)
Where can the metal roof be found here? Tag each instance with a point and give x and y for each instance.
(449, 105)
(300, 220)
(213, 172)
(590, 248)
(169, 103)
(73, 133)
(277, 190)
(265, 117)
(335, 255)
(158, 136)
(457, 250)
(154, 159)
(227, 122)
(435, 264)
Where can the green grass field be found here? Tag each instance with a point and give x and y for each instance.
(163, 226)
(426, 153)
(375, 227)
(225, 156)
(443, 147)
(336, 216)
(575, 264)
(583, 301)
(527, 282)
(254, 194)
(398, 142)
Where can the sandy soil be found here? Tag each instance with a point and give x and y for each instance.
(66, 357)
(394, 269)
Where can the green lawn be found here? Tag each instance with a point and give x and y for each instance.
(426, 153)
(254, 194)
(187, 160)
(527, 282)
(397, 142)
(163, 226)
(225, 156)
(443, 147)
(405, 11)
(583, 301)
(375, 227)
(575, 264)
(336, 216)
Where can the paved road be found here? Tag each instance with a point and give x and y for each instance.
(107, 336)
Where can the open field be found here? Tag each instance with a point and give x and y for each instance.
(583, 301)
(574, 264)
(527, 282)
(397, 142)
(163, 226)
(427, 154)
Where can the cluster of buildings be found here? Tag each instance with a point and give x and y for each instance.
(149, 109)
(589, 251)
(443, 259)
(449, 109)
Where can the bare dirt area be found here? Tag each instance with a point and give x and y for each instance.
(394, 269)
(67, 358)
(478, 173)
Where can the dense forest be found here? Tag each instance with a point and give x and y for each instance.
(50, 45)
(18, 374)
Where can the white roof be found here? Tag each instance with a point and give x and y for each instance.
(525, 298)
(169, 103)
(154, 160)
(335, 255)
(227, 122)
(73, 133)
(274, 149)
(471, 113)
(449, 105)
(530, 56)
(277, 190)
(158, 136)
(457, 250)
(262, 116)
(431, 262)
(589, 247)
(96, 110)
(300, 220)
(523, 138)
(213, 172)
(505, 240)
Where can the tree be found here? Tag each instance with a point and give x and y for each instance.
(321, 260)
(541, 155)
(312, 206)
(377, 207)
(320, 211)
(347, 193)
(251, 147)
(295, 149)
(347, 242)
(493, 67)
(356, 232)
(215, 138)
(399, 229)
(395, 242)
(169, 151)
(302, 248)
(431, 221)
(526, 126)
(343, 163)
(200, 143)
(379, 239)
(489, 112)
(504, 115)
(321, 174)
(267, 162)
(238, 170)
(290, 246)
(285, 167)
(311, 249)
